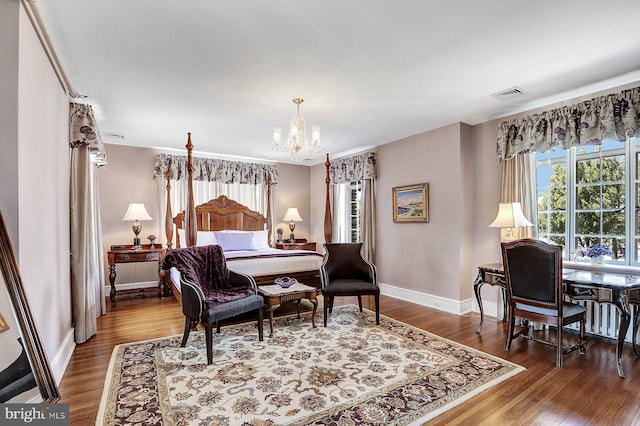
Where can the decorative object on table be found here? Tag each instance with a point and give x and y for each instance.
(411, 203)
(279, 231)
(597, 252)
(297, 140)
(285, 282)
(292, 216)
(136, 212)
(152, 239)
(510, 216)
(357, 374)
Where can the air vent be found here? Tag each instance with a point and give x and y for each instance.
(509, 94)
(113, 136)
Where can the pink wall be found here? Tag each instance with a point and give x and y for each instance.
(423, 257)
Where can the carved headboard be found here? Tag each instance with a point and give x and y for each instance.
(220, 214)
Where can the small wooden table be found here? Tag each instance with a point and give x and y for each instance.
(129, 255)
(274, 296)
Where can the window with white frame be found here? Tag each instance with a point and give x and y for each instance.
(355, 217)
(589, 195)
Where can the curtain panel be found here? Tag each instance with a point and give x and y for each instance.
(84, 132)
(215, 170)
(354, 168)
(615, 116)
(87, 262)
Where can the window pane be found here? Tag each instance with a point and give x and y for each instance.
(558, 221)
(617, 247)
(613, 223)
(559, 176)
(588, 197)
(588, 171)
(588, 223)
(542, 223)
(613, 169)
(613, 196)
(558, 240)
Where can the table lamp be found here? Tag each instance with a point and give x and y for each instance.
(136, 212)
(510, 216)
(292, 216)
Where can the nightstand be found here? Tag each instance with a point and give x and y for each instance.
(129, 255)
(300, 244)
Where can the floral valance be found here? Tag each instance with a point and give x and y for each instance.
(84, 132)
(354, 168)
(615, 116)
(215, 170)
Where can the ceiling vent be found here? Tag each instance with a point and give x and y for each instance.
(113, 136)
(510, 94)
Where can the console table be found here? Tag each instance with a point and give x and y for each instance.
(618, 289)
(129, 255)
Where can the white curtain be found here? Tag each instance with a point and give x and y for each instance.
(368, 219)
(87, 263)
(360, 168)
(519, 184)
(252, 196)
(339, 195)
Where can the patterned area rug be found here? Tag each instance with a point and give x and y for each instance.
(350, 373)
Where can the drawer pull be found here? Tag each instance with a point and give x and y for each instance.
(126, 257)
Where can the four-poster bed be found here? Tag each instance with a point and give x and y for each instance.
(207, 223)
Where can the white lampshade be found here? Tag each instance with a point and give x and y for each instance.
(136, 212)
(510, 216)
(292, 215)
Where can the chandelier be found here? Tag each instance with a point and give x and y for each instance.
(297, 141)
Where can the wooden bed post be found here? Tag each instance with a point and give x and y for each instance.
(328, 223)
(190, 219)
(269, 225)
(168, 220)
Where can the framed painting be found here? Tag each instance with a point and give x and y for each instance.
(411, 203)
(25, 373)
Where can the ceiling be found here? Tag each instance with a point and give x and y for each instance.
(370, 71)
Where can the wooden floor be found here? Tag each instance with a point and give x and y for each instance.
(586, 391)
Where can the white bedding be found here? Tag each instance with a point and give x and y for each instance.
(261, 263)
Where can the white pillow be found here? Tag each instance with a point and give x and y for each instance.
(205, 238)
(260, 238)
(232, 241)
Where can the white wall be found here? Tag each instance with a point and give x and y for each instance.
(34, 195)
(43, 163)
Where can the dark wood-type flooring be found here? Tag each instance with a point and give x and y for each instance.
(586, 391)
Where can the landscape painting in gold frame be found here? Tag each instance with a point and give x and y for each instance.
(411, 203)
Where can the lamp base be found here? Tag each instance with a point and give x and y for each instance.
(292, 238)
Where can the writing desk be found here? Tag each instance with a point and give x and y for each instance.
(618, 289)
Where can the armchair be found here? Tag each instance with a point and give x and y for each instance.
(211, 292)
(533, 277)
(344, 272)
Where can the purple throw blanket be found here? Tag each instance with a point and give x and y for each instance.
(206, 266)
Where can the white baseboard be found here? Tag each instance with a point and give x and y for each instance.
(61, 360)
(458, 307)
(131, 286)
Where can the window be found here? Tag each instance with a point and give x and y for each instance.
(587, 195)
(355, 217)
